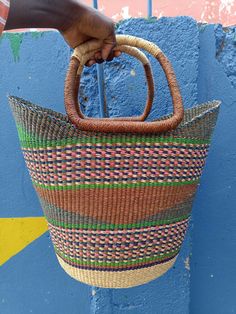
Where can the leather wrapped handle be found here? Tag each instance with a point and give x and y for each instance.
(121, 125)
(83, 57)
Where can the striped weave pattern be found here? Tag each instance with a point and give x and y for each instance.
(108, 163)
(117, 205)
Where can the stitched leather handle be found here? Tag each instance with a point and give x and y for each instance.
(122, 125)
(75, 71)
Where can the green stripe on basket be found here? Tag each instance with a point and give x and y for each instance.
(112, 185)
(141, 260)
(104, 226)
(31, 141)
(25, 136)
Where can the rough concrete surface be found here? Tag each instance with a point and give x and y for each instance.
(213, 271)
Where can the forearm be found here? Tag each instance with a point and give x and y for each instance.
(77, 22)
(40, 13)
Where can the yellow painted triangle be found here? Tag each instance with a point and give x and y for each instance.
(17, 233)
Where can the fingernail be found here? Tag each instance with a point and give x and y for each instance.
(99, 60)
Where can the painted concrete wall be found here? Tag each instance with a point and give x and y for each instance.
(211, 11)
(213, 270)
(34, 67)
(31, 281)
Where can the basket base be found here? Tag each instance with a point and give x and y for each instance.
(119, 279)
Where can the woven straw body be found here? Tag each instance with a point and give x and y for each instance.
(117, 205)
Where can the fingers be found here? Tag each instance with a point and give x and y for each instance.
(90, 63)
(113, 55)
(102, 28)
(117, 53)
(93, 32)
(97, 59)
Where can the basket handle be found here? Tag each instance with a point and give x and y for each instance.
(76, 69)
(121, 125)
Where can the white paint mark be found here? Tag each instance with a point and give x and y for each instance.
(93, 292)
(132, 72)
(226, 5)
(102, 8)
(202, 15)
(208, 13)
(116, 16)
(187, 263)
(125, 13)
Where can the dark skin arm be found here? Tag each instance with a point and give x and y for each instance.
(75, 21)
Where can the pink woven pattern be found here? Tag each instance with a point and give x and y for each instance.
(74, 164)
(132, 243)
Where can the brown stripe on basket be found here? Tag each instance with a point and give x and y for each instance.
(119, 205)
(59, 215)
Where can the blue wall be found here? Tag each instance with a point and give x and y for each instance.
(213, 266)
(34, 68)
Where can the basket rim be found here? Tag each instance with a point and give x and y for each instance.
(60, 118)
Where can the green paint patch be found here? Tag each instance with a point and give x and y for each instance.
(15, 43)
(151, 19)
(16, 40)
(36, 34)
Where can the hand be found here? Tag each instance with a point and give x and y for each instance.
(84, 23)
(76, 22)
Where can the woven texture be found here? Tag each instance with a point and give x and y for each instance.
(117, 205)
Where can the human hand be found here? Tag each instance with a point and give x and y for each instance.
(84, 23)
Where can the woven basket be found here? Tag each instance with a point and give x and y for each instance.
(117, 193)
